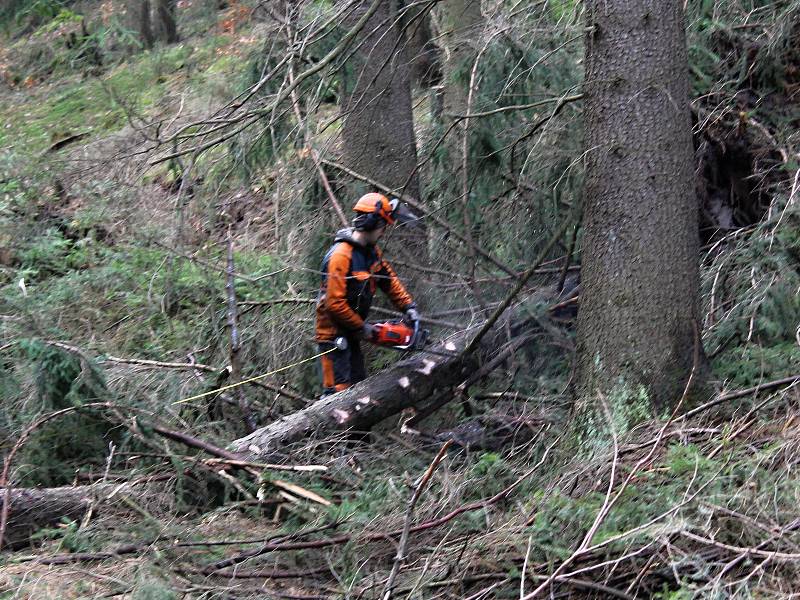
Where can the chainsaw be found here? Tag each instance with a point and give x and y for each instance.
(396, 334)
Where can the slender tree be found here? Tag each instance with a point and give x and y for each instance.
(166, 25)
(462, 22)
(638, 321)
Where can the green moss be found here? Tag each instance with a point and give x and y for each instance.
(625, 407)
(98, 105)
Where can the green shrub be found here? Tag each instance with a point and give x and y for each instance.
(151, 589)
(56, 449)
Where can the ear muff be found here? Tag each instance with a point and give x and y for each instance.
(372, 220)
(375, 219)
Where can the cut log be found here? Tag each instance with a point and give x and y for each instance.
(33, 509)
(404, 385)
(365, 404)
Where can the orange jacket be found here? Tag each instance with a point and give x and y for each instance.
(350, 274)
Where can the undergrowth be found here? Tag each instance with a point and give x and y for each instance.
(103, 258)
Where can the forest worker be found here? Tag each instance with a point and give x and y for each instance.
(351, 270)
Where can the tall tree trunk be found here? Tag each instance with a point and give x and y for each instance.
(166, 25)
(378, 130)
(462, 21)
(422, 51)
(138, 12)
(638, 318)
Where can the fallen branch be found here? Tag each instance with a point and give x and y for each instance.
(770, 385)
(400, 558)
(264, 574)
(160, 364)
(761, 387)
(75, 557)
(193, 442)
(326, 184)
(770, 554)
(242, 464)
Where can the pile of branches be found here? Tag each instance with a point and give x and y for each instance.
(704, 503)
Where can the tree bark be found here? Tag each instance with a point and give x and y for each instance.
(640, 274)
(32, 509)
(462, 21)
(166, 25)
(139, 20)
(378, 130)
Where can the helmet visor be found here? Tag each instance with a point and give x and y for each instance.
(402, 215)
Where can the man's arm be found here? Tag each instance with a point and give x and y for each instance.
(390, 283)
(336, 293)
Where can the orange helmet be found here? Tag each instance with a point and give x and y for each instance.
(379, 206)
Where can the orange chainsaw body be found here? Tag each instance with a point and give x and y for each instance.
(399, 335)
(392, 334)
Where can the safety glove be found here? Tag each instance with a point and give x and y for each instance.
(367, 332)
(412, 316)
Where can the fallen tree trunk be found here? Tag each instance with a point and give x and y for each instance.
(405, 384)
(33, 509)
(360, 407)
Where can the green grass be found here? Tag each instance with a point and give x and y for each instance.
(68, 104)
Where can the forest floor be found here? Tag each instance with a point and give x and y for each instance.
(704, 504)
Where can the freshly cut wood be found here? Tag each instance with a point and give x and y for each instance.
(366, 403)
